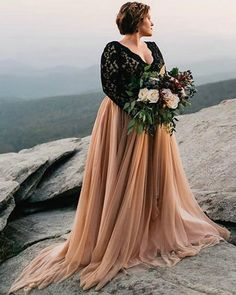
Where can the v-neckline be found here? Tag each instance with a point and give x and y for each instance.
(138, 54)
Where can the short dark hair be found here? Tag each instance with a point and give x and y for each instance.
(130, 15)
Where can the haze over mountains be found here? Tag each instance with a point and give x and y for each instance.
(19, 80)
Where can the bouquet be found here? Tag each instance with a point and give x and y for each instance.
(157, 97)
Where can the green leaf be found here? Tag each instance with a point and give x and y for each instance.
(174, 71)
(131, 123)
(129, 130)
(126, 105)
(130, 93)
(149, 118)
(136, 115)
(132, 104)
(140, 128)
(147, 67)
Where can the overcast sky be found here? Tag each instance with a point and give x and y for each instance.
(47, 33)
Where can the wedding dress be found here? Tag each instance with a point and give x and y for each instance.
(135, 206)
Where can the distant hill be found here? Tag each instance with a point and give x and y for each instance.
(17, 80)
(211, 94)
(212, 70)
(26, 123)
(9, 99)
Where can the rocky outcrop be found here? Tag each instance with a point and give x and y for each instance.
(39, 191)
(64, 179)
(52, 170)
(207, 143)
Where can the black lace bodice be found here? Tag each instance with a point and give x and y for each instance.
(119, 63)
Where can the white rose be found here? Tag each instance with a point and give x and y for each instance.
(153, 95)
(171, 99)
(142, 96)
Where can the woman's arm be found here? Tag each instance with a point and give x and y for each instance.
(110, 74)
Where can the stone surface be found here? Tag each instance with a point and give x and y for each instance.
(207, 144)
(7, 202)
(27, 230)
(217, 205)
(28, 165)
(65, 179)
(25, 173)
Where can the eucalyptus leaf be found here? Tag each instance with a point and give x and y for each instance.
(130, 93)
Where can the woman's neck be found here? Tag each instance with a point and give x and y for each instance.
(132, 39)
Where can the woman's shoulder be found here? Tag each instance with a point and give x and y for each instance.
(110, 48)
(110, 44)
(152, 43)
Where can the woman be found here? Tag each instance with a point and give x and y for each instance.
(135, 206)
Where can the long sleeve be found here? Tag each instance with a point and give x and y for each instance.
(110, 74)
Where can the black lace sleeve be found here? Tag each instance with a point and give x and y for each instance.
(110, 73)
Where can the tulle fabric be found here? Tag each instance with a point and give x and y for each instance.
(135, 207)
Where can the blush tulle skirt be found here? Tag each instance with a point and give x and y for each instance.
(135, 207)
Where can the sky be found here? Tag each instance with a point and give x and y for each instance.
(49, 33)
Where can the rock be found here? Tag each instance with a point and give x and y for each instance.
(212, 271)
(65, 179)
(207, 144)
(5, 213)
(7, 202)
(28, 165)
(28, 230)
(217, 205)
(21, 172)
(22, 169)
(232, 228)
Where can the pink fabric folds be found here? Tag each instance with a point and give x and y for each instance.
(135, 206)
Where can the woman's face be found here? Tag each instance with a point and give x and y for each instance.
(145, 28)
